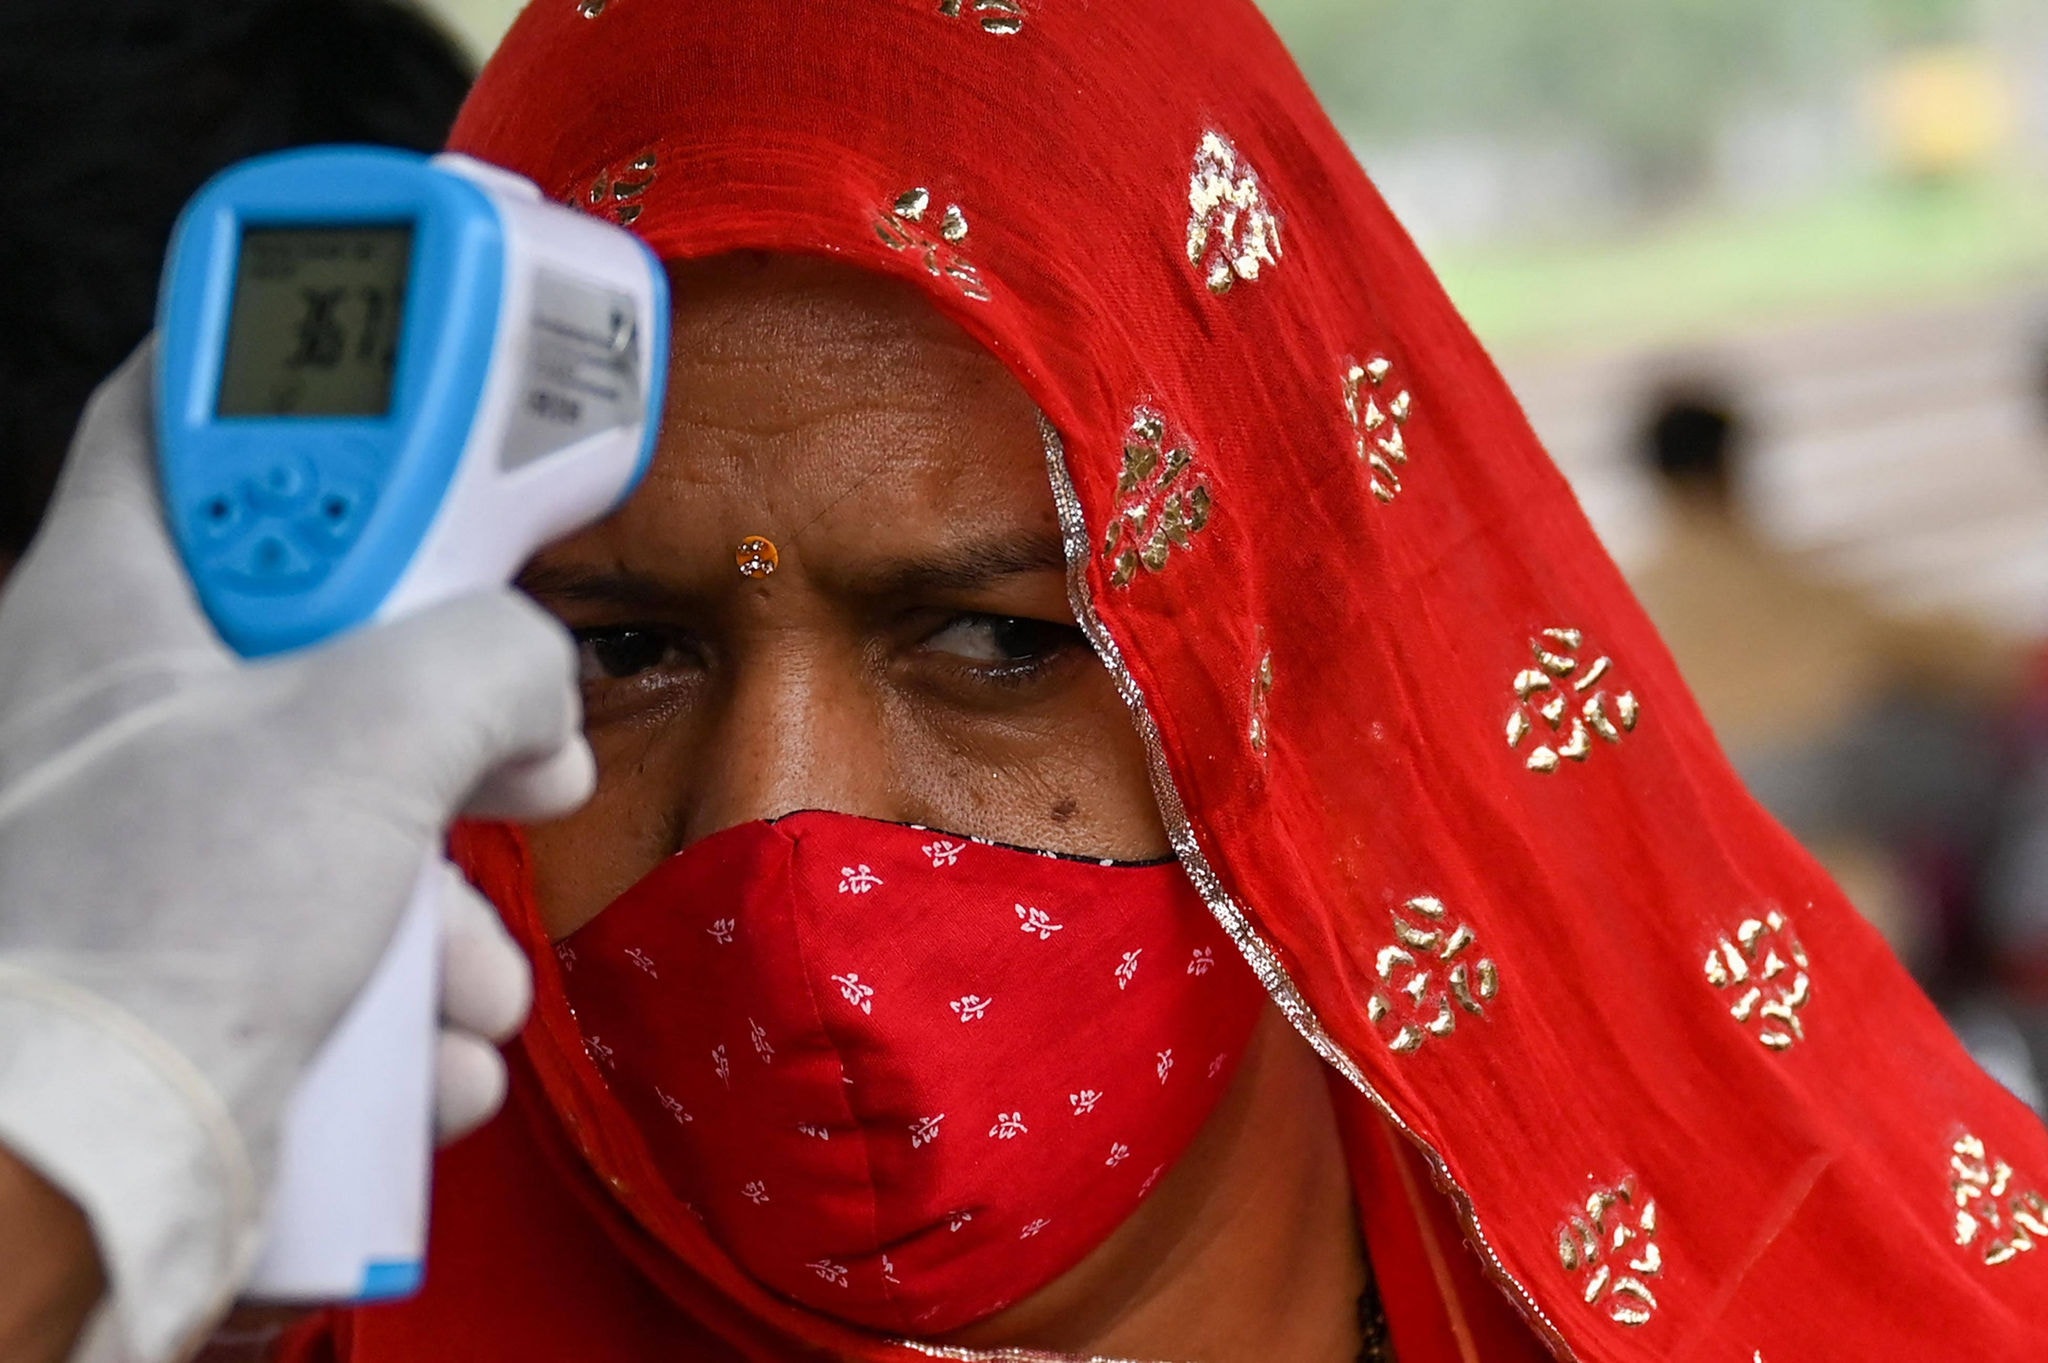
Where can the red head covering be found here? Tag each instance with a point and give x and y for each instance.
(1407, 722)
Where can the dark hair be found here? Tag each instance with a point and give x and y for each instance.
(1692, 439)
(112, 114)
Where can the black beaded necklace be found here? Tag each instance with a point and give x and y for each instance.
(1375, 1346)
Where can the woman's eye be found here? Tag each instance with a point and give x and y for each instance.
(1002, 642)
(618, 654)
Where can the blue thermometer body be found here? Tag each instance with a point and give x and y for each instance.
(384, 381)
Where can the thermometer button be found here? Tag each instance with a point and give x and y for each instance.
(270, 562)
(283, 486)
(219, 517)
(336, 517)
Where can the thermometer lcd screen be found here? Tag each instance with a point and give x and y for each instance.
(315, 324)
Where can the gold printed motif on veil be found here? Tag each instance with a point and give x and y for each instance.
(902, 226)
(1612, 1246)
(1262, 691)
(1233, 231)
(1428, 976)
(1377, 426)
(1763, 966)
(1000, 17)
(1565, 703)
(1163, 503)
(616, 191)
(1992, 1216)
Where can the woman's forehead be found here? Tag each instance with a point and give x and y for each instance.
(760, 309)
(812, 401)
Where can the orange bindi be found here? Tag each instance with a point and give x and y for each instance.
(757, 556)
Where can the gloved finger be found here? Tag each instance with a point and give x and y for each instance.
(469, 1084)
(103, 565)
(528, 790)
(486, 983)
(433, 703)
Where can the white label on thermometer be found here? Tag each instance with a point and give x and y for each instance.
(582, 374)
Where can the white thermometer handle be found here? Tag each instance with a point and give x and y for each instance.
(348, 1217)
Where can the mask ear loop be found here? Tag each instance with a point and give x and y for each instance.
(757, 556)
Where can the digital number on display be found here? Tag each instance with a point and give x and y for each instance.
(315, 322)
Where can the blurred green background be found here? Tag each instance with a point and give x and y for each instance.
(1611, 169)
(1610, 172)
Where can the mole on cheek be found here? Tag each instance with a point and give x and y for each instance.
(1066, 809)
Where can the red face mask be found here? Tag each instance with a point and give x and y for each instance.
(908, 1078)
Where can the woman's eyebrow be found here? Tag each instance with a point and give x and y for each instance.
(963, 567)
(633, 591)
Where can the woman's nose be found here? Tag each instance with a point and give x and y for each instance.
(798, 730)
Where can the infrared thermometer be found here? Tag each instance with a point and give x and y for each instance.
(383, 381)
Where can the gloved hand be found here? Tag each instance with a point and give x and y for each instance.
(202, 858)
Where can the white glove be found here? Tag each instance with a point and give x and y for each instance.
(201, 860)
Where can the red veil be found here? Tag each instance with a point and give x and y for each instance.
(1415, 742)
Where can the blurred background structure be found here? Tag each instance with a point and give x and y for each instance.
(1771, 280)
